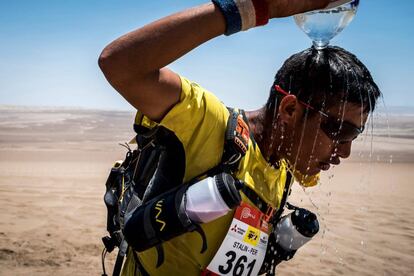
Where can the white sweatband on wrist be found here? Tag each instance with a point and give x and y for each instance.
(241, 15)
(247, 14)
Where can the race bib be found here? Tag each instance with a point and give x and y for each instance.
(244, 247)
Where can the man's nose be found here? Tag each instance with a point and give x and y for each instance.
(344, 149)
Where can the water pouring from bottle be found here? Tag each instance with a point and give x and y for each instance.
(323, 25)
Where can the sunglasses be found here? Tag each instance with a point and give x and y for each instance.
(334, 128)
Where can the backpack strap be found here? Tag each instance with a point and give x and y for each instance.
(236, 141)
(235, 147)
(236, 144)
(273, 254)
(286, 192)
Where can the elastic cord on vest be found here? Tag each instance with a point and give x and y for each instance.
(241, 15)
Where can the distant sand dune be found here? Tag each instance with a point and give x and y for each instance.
(54, 163)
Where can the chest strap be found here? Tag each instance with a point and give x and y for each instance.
(271, 214)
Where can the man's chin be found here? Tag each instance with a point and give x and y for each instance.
(317, 169)
(310, 171)
(309, 179)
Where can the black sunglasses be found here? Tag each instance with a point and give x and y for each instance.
(334, 128)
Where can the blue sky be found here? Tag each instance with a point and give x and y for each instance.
(49, 51)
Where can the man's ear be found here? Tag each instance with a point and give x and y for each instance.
(289, 109)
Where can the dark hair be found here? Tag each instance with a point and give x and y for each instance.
(324, 78)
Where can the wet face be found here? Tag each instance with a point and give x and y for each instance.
(317, 141)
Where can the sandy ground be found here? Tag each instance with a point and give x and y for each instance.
(54, 163)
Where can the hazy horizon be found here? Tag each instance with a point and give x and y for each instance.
(380, 108)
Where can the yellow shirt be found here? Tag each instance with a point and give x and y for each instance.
(199, 121)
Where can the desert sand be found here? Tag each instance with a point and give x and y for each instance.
(54, 163)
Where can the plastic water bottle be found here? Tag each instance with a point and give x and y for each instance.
(322, 25)
(212, 198)
(296, 229)
(181, 210)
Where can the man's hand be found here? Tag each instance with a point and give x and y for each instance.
(283, 8)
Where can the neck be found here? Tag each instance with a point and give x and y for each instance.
(266, 133)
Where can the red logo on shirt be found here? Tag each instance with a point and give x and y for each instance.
(248, 214)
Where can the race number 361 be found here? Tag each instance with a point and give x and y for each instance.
(236, 265)
(243, 249)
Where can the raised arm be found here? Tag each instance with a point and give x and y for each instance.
(134, 64)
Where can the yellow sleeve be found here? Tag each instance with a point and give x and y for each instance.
(199, 120)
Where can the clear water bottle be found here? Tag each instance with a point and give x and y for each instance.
(289, 234)
(212, 198)
(180, 210)
(296, 229)
(322, 25)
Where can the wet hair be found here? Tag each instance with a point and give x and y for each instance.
(325, 78)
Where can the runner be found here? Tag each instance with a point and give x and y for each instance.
(318, 104)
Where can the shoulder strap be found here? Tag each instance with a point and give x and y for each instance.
(235, 147)
(286, 193)
(236, 143)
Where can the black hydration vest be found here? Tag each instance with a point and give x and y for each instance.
(156, 166)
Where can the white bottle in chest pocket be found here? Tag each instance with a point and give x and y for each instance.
(212, 198)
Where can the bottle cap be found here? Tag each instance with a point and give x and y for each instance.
(305, 222)
(228, 189)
